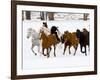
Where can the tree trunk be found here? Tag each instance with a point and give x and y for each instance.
(50, 15)
(42, 15)
(85, 16)
(28, 15)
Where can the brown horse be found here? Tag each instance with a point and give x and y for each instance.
(47, 42)
(70, 39)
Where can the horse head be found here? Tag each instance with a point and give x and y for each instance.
(85, 31)
(78, 33)
(65, 36)
(30, 32)
(42, 35)
(54, 29)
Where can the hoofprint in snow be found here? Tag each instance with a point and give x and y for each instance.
(30, 61)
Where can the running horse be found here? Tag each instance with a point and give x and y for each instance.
(47, 42)
(34, 39)
(54, 30)
(70, 39)
(83, 37)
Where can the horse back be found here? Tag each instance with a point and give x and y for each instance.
(74, 38)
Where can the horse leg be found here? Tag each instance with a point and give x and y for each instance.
(75, 47)
(69, 50)
(85, 51)
(32, 49)
(60, 46)
(43, 52)
(64, 49)
(48, 53)
(81, 47)
(38, 48)
(50, 49)
(88, 48)
(54, 51)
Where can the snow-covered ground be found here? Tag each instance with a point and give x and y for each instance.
(30, 61)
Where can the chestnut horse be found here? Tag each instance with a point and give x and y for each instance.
(69, 40)
(47, 42)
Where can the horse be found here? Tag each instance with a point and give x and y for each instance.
(83, 37)
(47, 42)
(54, 30)
(35, 39)
(69, 40)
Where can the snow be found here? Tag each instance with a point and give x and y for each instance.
(30, 61)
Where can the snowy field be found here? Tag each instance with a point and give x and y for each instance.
(30, 61)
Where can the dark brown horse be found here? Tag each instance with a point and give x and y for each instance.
(83, 37)
(47, 42)
(69, 40)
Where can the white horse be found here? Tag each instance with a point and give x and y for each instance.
(35, 39)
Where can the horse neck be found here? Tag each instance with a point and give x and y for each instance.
(44, 37)
(78, 34)
(35, 35)
(68, 35)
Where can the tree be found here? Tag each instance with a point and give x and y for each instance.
(50, 15)
(85, 16)
(28, 15)
(42, 15)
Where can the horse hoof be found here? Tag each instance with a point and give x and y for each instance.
(48, 56)
(63, 53)
(85, 54)
(44, 54)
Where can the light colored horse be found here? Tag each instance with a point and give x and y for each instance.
(35, 39)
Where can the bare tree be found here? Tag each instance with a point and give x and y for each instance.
(85, 16)
(28, 15)
(51, 15)
(42, 15)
